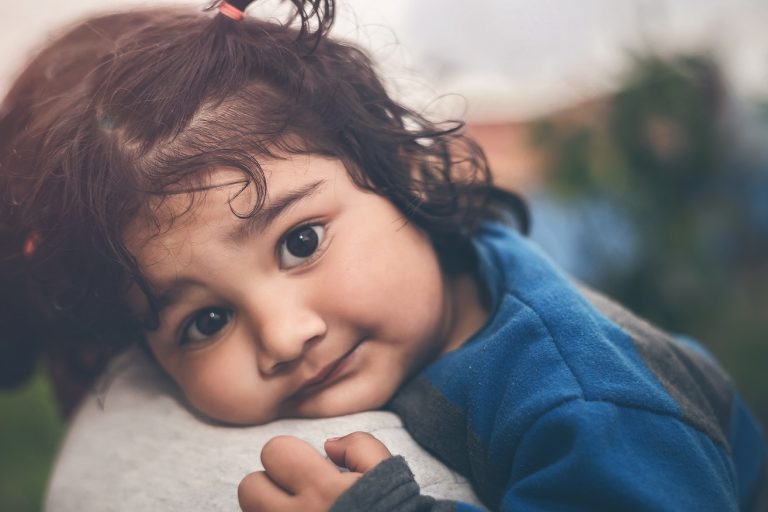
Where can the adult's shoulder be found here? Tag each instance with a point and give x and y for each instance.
(132, 445)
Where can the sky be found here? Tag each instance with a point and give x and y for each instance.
(488, 60)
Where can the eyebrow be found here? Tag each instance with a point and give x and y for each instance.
(269, 212)
(171, 294)
(162, 300)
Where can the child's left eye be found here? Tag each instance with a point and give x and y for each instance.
(204, 325)
(300, 244)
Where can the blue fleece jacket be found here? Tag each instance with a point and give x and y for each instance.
(566, 401)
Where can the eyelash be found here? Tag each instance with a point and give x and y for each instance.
(316, 253)
(184, 336)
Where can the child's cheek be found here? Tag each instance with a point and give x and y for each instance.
(390, 279)
(223, 383)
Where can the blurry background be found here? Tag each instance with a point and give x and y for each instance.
(638, 130)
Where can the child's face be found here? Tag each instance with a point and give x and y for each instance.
(320, 305)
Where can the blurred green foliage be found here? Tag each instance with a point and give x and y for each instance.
(668, 156)
(30, 429)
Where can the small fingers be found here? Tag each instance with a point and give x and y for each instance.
(358, 451)
(258, 493)
(294, 465)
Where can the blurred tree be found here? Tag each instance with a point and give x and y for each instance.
(662, 155)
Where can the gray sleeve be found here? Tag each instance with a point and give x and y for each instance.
(390, 486)
(133, 445)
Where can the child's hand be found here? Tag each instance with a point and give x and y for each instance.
(297, 477)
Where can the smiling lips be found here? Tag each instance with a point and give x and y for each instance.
(329, 373)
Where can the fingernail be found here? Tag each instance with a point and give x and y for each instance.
(332, 439)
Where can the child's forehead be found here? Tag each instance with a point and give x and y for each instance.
(224, 194)
(191, 203)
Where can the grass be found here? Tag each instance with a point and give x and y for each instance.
(30, 430)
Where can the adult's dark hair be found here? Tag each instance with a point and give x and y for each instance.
(128, 107)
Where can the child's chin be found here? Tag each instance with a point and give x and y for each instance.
(349, 404)
(239, 418)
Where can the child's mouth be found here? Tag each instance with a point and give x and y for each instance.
(330, 373)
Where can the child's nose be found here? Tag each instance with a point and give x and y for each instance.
(285, 330)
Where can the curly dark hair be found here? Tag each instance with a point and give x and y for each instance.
(127, 107)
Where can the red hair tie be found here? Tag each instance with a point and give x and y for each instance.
(31, 243)
(230, 11)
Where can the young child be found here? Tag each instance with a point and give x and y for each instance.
(288, 241)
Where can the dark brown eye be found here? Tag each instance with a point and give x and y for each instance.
(300, 244)
(204, 324)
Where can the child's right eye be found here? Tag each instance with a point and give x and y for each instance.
(205, 324)
(301, 245)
